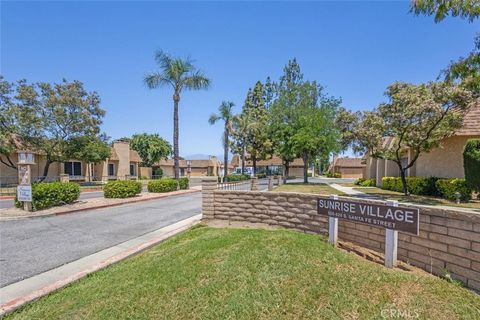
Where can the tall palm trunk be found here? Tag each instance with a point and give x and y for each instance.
(243, 158)
(176, 99)
(225, 155)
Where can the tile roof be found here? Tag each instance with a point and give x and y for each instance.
(471, 122)
(274, 161)
(134, 157)
(348, 162)
(193, 163)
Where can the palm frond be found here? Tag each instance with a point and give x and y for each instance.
(154, 80)
(163, 59)
(196, 81)
(226, 110)
(213, 118)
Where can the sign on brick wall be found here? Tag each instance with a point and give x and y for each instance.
(404, 219)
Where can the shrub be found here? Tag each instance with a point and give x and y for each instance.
(162, 185)
(448, 187)
(368, 182)
(359, 181)
(157, 173)
(415, 185)
(329, 174)
(122, 189)
(237, 177)
(183, 183)
(261, 175)
(471, 163)
(50, 194)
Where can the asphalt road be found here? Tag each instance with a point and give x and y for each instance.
(32, 246)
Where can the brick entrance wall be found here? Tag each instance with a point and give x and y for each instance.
(448, 240)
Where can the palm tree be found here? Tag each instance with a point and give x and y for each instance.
(225, 114)
(241, 128)
(180, 74)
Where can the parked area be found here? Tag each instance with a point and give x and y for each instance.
(211, 273)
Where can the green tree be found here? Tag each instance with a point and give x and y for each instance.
(90, 149)
(226, 115)
(258, 143)
(471, 163)
(469, 9)
(417, 117)
(150, 147)
(45, 117)
(179, 74)
(240, 130)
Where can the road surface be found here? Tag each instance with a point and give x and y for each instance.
(32, 246)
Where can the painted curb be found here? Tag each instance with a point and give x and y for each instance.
(17, 302)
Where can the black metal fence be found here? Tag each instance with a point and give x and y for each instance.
(245, 185)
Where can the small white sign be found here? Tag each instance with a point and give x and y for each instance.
(24, 193)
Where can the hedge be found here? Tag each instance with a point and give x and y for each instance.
(448, 187)
(471, 163)
(122, 189)
(431, 186)
(329, 174)
(50, 194)
(162, 185)
(237, 177)
(416, 185)
(365, 182)
(183, 183)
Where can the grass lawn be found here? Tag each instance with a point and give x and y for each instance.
(318, 188)
(387, 194)
(208, 273)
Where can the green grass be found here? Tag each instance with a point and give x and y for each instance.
(317, 188)
(387, 194)
(208, 273)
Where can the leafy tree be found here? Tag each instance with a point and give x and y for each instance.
(240, 130)
(180, 74)
(417, 117)
(45, 118)
(150, 147)
(315, 132)
(258, 143)
(226, 115)
(469, 9)
(471, 163)
(90, 149)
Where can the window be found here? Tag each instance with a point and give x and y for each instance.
(111, 169)
(132, 169)
(72, 168)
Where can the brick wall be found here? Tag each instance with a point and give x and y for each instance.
(448, 239)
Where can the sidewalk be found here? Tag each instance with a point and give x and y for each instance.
(19, 293)
(88, 204)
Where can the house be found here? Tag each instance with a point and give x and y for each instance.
(198, 168)
(274, 165)
(122, 163)
(348, 167)
(445, 161)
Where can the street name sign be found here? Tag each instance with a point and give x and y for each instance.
(403, 219)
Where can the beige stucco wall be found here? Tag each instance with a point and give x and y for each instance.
(444, 162)
(350, 172)
(122, 149)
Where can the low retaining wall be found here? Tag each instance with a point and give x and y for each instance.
(448, 240)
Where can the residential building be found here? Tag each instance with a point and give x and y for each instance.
(348, 167)
(445, 161)
(122, 163)
(198, 168)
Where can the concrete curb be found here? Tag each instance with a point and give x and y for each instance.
(161, 196)
(17, 294)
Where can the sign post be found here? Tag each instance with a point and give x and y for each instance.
(24, 188)
(389, 216)
(391, 242)
(333, 226)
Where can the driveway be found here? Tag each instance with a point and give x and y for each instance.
(32, 246)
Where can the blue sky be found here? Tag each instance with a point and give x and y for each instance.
(354, 49)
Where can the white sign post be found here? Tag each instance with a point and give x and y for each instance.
(333, 226)
(24, 188)
(391, 242)
(24, 193)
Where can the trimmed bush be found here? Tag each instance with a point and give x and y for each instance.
(50, 194)
(471, 163)
(157, 173)
(183, 183)
(162, 185)
(122, 189)
(366, 182)
(415, 185)
(448, 187)
(237, 177)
